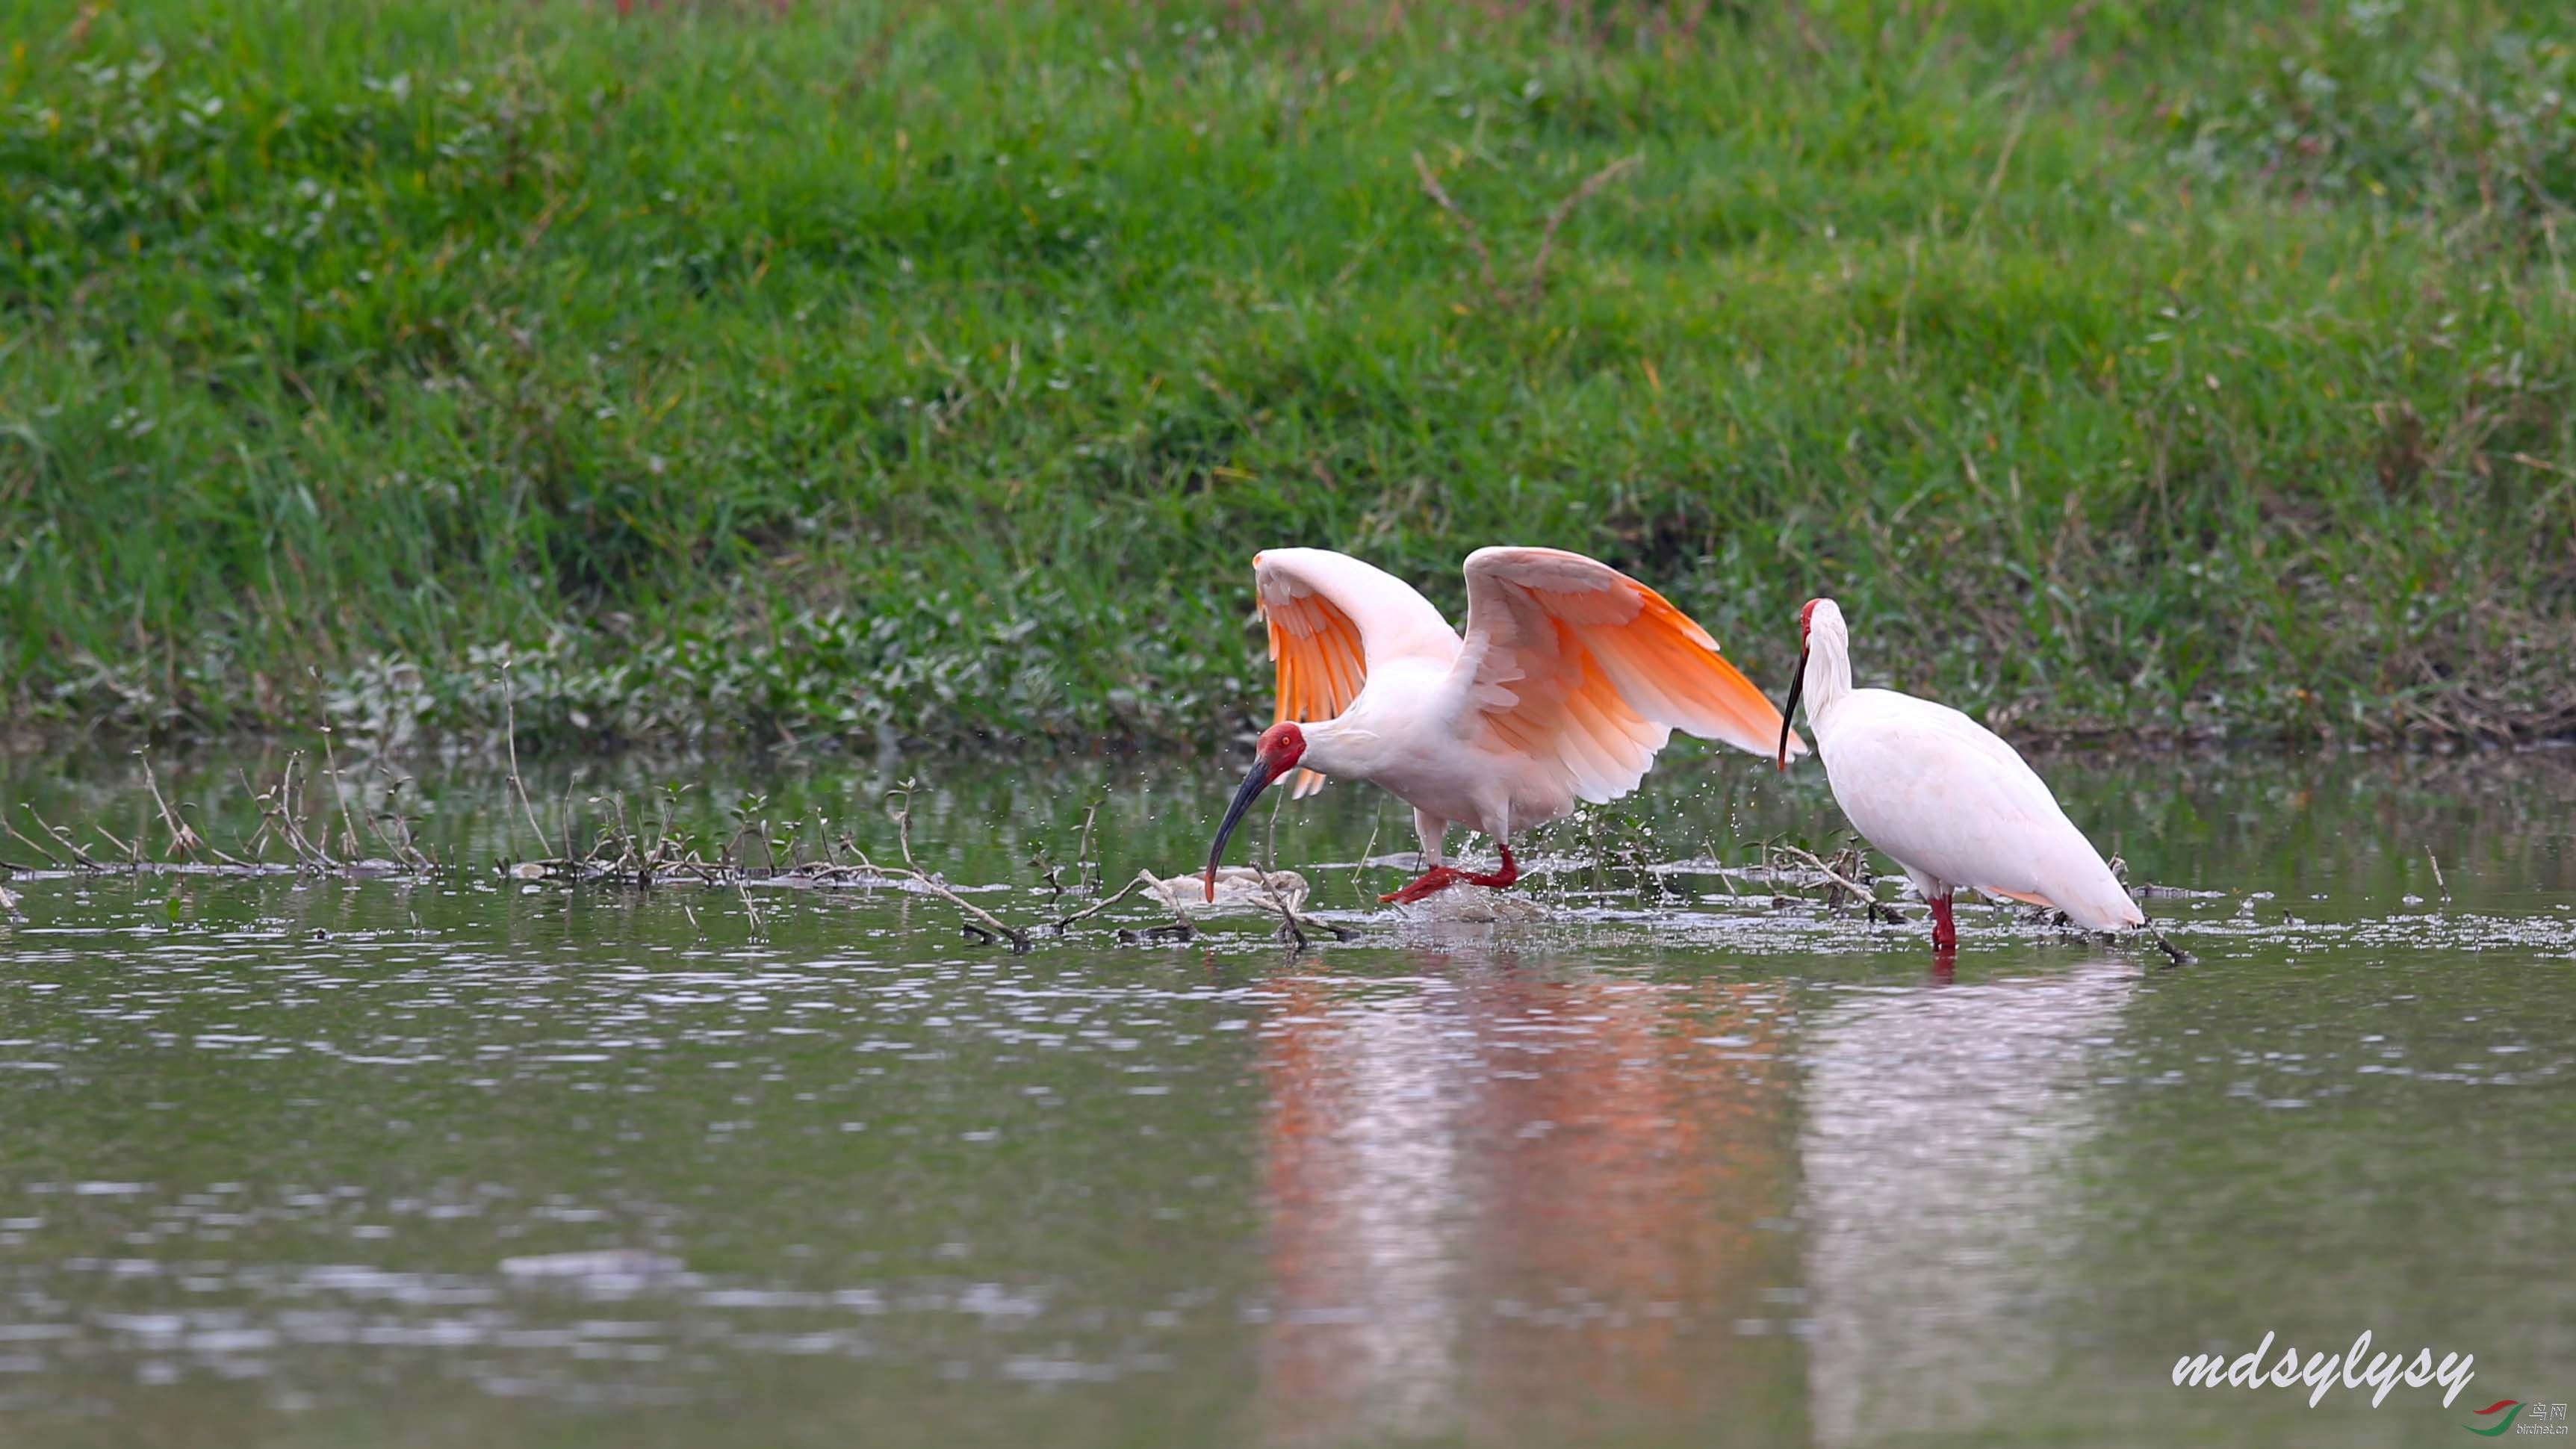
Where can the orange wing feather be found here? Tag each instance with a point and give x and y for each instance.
(1320, 664)
(1591, 670)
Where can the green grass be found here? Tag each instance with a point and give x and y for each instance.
(933, 371)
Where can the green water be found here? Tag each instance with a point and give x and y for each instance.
(474, 1161)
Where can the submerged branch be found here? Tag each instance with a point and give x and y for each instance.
(991, 927)
(1838, 884)
(185, 852)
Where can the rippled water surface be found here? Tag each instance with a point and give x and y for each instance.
(476, 1161)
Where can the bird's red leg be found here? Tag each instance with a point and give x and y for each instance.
(1441, 877)
(1438, 878)
(1945, 932)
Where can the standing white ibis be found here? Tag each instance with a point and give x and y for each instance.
(1943, 795)
(1569, 677)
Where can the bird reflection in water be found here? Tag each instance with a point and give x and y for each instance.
(1941, 1200)
(1517, 1204)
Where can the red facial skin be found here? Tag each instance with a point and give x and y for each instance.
(1280, 747)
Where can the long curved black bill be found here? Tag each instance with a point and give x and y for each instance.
(1797, 688)
(1253, 785)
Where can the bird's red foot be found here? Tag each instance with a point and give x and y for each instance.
(1433, 881)
(1441, 877)
(1945, 932)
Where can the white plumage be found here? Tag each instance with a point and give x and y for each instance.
(1944, 796)
(1566, 681)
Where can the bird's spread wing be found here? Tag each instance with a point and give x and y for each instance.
(1332, 616)
(1588, 671)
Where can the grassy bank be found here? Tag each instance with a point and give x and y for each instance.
(933, 371)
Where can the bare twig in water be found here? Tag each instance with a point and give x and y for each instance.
(281, 805)
(183, 839)
(564, 815)
(1838, 883)
(1270, 847)
(133, 856)
(5, 824)
(1084, 867)
(1063, 923)
(2439, 884)
(222, 858)
(979, 921)
(61, 837)
(1291, 925)
(1049, 872)
(348, 830)
(1288, 926)
(510, 737)
(2178, 955)
(277, 817)
(406, 849)
(256, 847)
(281, 808)
(626, 850)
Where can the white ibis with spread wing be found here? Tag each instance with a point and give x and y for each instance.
(1567, 680)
